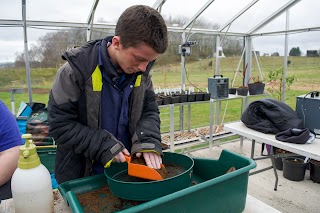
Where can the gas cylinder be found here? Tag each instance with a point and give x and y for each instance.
(31, 182)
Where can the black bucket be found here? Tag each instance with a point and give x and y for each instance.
(294, 168)
(315, 171)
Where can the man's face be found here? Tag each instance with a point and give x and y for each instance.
(133, 59)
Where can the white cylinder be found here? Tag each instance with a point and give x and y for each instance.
(32, 190)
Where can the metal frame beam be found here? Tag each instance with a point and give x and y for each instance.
(239, 14)
(93, 10)
(49, 24)
(32, 23)
(90, 20)
(274, 15)
(158, 5)
(197, 14)
(287, 31)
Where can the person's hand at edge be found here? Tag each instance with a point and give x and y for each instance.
(152, 159)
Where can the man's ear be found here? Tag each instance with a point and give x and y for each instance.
(116, 42)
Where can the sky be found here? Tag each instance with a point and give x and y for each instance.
(305, 14)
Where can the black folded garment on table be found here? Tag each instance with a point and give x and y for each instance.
(294, 135)
(270, 116)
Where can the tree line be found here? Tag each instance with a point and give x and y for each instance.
(49, 48)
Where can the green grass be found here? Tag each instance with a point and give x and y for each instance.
(306, 70)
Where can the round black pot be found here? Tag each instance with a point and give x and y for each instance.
(175, 99)
(242, 91)
(315, 171)
(191, 97)
(166, 100)
(294, 168)
(199, 96)
(256, 88)
(206, 96)
(232, 91)
(183, 98)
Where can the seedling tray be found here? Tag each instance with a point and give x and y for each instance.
(212, 190)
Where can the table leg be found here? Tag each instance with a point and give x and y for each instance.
(264, 169)
(252, 148)
(241, 144)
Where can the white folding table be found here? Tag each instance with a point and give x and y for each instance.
(308, 150)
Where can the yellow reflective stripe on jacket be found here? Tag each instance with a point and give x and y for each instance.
(150, 151)
(138, 81)
(108, 164)
(96, 80)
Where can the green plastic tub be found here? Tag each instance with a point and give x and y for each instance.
(48, 157)
(213, 190)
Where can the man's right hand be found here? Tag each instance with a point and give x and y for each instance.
(120, 156)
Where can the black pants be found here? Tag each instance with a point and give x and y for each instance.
(5, 191)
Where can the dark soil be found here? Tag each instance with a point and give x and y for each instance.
(299, 161)
(102, 200)
(315, 162)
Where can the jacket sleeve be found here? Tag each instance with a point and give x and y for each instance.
(64, 121)
(146, 136)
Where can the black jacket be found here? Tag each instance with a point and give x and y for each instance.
(270, 116)
(74, 115)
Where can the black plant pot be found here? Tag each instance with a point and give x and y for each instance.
(183, 98)
(199, 96)
(315, 171)
(294, 168)
(232, 91)
(256, 88)
(191, 97)
(175, 99)
(206, 96)
(243, 91)
(166, 100)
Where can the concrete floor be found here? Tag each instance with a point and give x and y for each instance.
(291, 196)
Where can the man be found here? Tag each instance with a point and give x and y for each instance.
(10, 142)
(102, 104)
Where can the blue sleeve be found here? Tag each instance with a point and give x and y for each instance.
(9, 132)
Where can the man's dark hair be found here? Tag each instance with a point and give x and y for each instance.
(142, 23)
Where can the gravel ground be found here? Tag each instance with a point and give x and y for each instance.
(291, 196)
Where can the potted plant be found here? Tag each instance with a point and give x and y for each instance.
(274, 85)
(243, 90)
(274, 88)
(233, 90)
(257, 87)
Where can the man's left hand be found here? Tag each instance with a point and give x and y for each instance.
(153, 160)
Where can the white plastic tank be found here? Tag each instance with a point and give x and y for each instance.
(31, 182)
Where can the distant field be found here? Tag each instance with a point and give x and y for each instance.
(306, 70)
